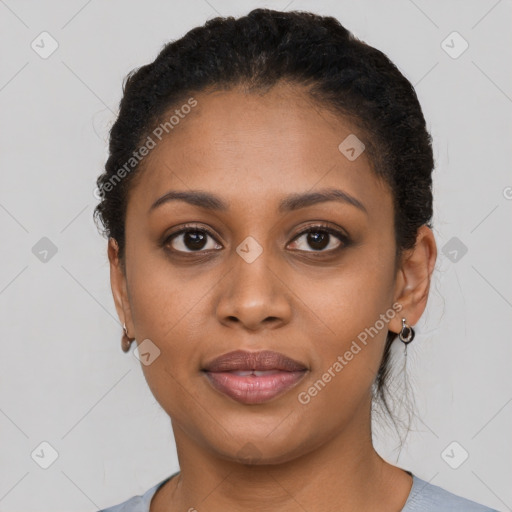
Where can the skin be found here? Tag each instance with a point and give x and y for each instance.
(252, 150)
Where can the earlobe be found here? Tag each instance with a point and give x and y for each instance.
(118, 285)
(413, 279)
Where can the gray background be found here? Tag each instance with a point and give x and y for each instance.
(63, 377)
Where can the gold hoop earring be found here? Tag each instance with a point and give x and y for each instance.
(126, 341)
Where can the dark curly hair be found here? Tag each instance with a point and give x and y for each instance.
(257, 51)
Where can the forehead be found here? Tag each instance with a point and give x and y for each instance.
(258, 146)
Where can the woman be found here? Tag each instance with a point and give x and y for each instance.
(268, 205)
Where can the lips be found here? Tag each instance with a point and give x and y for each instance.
(260, 361)
(254, 377)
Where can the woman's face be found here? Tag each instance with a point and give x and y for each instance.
(245, 278)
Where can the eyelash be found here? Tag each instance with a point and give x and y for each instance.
(323, 228)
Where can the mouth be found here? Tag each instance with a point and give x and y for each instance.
(254, 377)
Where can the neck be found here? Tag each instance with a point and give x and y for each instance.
(344, 473)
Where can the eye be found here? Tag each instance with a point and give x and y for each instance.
(319, 238)
(191, 239)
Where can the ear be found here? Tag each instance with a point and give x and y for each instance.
(413, 279)
(118, 285)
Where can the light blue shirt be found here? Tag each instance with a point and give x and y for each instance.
(423, 497)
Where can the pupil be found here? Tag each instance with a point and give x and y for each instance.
(194, 240)
(318, 239)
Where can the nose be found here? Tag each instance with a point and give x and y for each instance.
(254, 296)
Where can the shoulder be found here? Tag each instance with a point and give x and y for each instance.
(138, 503)
(425, 497)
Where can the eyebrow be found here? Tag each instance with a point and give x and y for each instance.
(290, 203)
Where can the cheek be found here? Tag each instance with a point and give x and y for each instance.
(164, 306)
(347, 355)
(352, 296)
(169, 306)
(349, 318)
(163, 296)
